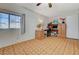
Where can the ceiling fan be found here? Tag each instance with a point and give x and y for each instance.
(50, 4)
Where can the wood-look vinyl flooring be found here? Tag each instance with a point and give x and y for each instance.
(47, 46)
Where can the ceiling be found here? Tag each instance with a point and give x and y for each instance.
(57, 9)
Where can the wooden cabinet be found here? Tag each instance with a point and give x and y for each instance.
(62, 30)
(39, 34)
(59, 30)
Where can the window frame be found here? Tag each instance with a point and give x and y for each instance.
(11, 13)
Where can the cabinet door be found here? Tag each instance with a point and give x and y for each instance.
(63, 30)
(59, 30)
(39, 35)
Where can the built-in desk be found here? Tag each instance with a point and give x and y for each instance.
(39, 34)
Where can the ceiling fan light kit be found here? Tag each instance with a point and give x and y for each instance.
(49, 4)
(38, 4)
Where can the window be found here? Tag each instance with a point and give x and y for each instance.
(14, 21)
(4, 21)
(8, 20)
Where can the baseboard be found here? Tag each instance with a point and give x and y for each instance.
(72, 38)
(13, 43)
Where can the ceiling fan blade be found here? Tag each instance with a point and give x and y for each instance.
(50, 5)
(38, 4)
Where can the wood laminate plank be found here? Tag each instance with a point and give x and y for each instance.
(69, 48)
(47, 46)
(1, 51)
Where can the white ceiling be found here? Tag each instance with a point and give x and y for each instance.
(56, 10)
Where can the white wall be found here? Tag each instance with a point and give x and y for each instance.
(8, 36)
(72, 26)
(31, 20)
(78, 25)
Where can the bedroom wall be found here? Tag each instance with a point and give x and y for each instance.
(72, 26)
(9, 37)
(78, 25)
